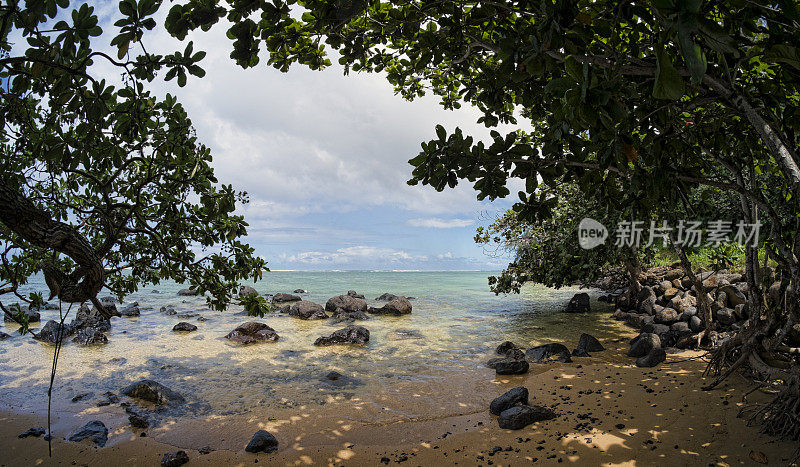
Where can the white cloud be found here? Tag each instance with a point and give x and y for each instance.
(437, 223)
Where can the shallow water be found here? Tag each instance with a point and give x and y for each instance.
(455, 325)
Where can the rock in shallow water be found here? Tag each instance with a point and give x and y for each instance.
(509, 399)
(187, 292)
(398, 306)
(307, 310)
(174, 459)
(521, 416)
(511, 366)
(153, 391)
(89, 336)
(184, 327)
(350, 335)
(95, 430)
(285, 297)
(548, 353)
(345, 304)
(50, 332)
(262, 441)
(505, 347)
(252, 332)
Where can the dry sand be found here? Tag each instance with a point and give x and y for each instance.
(609, 414)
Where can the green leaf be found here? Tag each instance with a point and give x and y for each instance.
(785, 54)
(669, 83)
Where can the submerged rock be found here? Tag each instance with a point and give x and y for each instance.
(548, 353)
(338, 380)
(262, 441)
(348, 317)
(285, 297)
(184, 327)
(95, 430)
(509, 399)
(346, 304)
(154, 392)
(90, 336)
(521, 416)
(35, 432)
(350, 335)
(398, 306)
(587, 343)
(252, 332)
(579, 303)
(307, 310)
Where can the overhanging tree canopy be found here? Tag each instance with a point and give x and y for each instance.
(104, 185)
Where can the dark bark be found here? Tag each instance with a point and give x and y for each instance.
(37, 227)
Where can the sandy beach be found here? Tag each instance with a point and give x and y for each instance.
(608, 414)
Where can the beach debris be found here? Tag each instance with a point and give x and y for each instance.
(587, 343)
(184, 327)
(307, 310)
(152, 391)
(262, 441)
(252, 332)
(549, 353)
(174, 459)
(35, 432)
(285, 297)
(350, 335)
(96, 430)
(520, 416)
(579, 303)
(398, 306)
(509, 399)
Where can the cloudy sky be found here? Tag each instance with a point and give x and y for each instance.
(324, 159)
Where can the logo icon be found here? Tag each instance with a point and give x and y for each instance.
(591, 233)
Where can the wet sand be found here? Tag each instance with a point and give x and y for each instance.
(610, 413)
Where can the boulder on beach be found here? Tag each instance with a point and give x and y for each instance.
(96, 430)
(511, 366)
(307, 310)
(262, 441)
(184, 327)
(35, 432)
(548, 353)
(153, 391)
(345, 303)
(579, 303)
(358, 335)
(398, 306)
(252, 332)
(587, 343)
(653, 358)
(509, 399)
(520, 416)
(642, 344)
(174, 459)
(284, 298)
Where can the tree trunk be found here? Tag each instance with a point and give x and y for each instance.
(37, 227)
